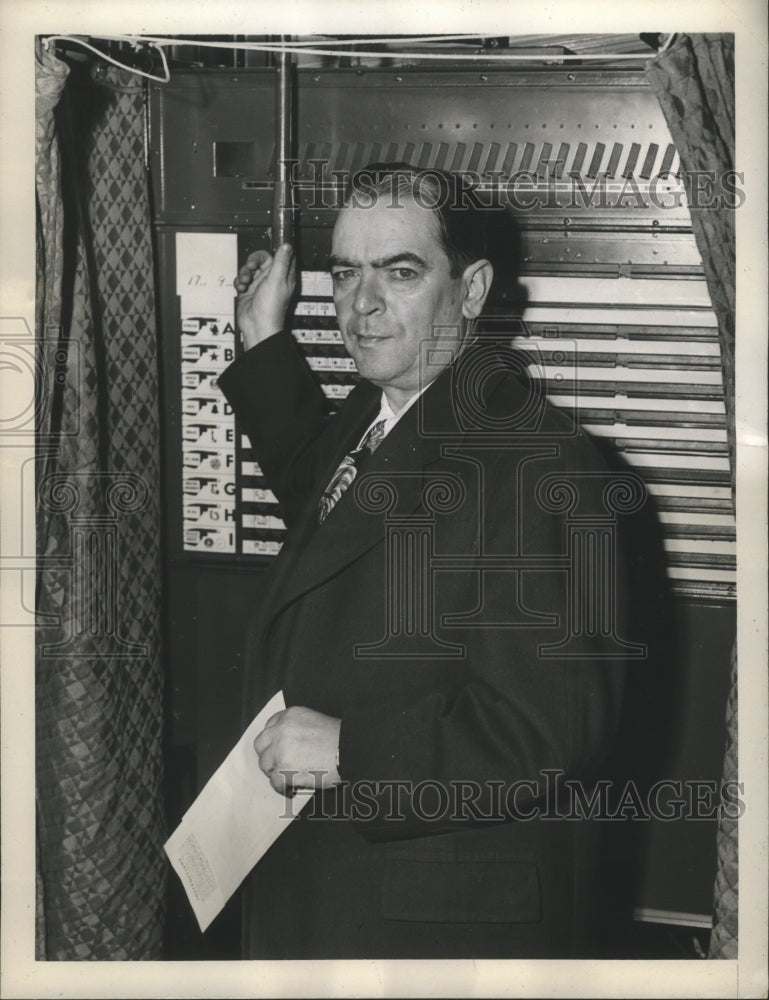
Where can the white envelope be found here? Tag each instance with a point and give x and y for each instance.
(230, 825)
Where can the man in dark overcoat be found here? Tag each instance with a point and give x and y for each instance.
(445, 617)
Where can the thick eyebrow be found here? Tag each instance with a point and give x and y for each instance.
(395, 258)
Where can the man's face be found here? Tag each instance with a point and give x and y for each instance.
(392, 287)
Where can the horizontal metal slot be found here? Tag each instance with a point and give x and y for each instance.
(716, 494)
(702, 554)
(711, 526)
(691, 509)
(705, 574)
(660, 292)
(650, 365)
(609, 333)
(667, 437)
(656, 393)
(696, 449)
(638, 315)
(631, 351)
(661, 464)
(672, 421)
(619, 374)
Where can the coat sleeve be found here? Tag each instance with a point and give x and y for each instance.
(283, 411)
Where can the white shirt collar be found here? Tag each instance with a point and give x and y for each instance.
(387, 414)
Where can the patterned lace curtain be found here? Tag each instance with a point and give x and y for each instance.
(99, 681)
(694, 82)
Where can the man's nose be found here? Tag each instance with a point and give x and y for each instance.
(368, 295)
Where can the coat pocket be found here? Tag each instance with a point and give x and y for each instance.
(456, 887)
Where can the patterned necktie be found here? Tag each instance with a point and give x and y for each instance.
(347, 470)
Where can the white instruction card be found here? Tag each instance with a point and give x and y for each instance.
(206, 264)
(230, 825)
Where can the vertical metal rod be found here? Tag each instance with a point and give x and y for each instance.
(282, 201)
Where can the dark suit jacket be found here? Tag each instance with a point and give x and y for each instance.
(448, 677)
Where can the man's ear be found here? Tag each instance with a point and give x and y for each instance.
(476, 284)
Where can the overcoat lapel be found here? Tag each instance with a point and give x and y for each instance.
(360, 409)
(319, 553)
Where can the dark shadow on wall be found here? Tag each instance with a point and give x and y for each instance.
(650, 723)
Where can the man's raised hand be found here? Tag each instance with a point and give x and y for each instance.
(265, 286)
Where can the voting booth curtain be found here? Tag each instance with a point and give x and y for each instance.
(694, 82)
(99, 679)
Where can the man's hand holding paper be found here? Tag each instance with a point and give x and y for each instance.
(231, 824)
(298, 749)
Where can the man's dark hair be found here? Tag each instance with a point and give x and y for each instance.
(461, 221)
